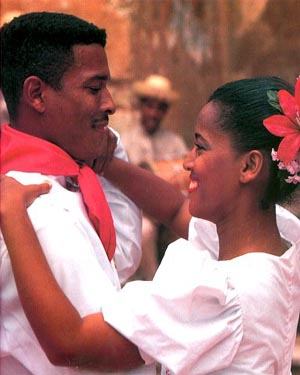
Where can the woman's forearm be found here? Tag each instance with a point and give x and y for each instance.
(155, 196)
(66, 338)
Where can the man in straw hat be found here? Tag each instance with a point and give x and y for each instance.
(154, 147)
(147, 140)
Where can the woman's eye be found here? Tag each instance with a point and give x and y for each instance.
(198, 148)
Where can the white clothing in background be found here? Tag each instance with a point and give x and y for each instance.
(143, 149)
(204, 316)
(164, 144)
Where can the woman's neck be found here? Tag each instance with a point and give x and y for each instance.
(254, 231)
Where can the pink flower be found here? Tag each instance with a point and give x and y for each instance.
(274, 155)
(295, 179)
(293, 167)
(287, 125)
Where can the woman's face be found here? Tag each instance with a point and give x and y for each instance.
(214, 168)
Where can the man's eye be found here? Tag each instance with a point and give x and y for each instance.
(94, 90)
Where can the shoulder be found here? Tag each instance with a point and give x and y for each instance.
(191, 271)
(55, 208)
(171, 139)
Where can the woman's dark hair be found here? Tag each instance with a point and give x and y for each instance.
(244, 105)
(41, 44)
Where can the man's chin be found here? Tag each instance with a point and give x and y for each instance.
(152, 129)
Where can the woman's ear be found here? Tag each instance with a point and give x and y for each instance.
(33, 89)
(252, 164)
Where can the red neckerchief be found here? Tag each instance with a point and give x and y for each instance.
(25, 153)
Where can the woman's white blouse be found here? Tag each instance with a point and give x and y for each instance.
(203, 316)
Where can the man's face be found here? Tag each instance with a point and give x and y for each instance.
(76, 115)
(152, 112)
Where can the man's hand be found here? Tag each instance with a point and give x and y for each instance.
(107, 152)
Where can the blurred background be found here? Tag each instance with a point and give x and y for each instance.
(197, 44)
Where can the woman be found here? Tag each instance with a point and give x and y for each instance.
(231, 310)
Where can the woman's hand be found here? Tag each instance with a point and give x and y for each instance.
(14, 195)
(109, 145)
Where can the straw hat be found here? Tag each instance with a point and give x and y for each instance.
(155, 86)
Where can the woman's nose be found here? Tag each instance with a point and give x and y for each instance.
(189, 160)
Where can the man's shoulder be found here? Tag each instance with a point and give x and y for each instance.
(48, 206)
(27, 178)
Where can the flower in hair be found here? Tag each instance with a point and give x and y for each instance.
(293, 168)
(287, 126)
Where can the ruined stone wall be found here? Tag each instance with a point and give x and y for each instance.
(198, 44)
(202, 43)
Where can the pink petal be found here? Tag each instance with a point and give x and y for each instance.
(280, 125)
(287, 103)
(288, 148)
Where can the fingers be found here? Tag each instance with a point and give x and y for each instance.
(112, 144)
(38, 189)
(31, 192)
(106, 154)
(14, 193)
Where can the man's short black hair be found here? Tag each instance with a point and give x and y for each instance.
(41, 44)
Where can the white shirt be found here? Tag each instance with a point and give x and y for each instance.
(80, 265)
(164, 144)
(203, 316)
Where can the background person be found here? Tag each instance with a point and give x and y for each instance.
(209, 307)
(151, 145)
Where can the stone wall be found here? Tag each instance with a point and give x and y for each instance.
(198, 44)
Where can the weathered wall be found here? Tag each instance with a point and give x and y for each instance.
(202, 43)
(198, 44)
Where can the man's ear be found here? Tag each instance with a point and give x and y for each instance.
(252, 164)
(33, 89)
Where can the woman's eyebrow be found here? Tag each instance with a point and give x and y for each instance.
(198, 137)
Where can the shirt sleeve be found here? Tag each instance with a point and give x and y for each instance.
(75, 256)
(128, 224)
(74, 261)
(188, 318)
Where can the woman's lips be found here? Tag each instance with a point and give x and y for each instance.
(193, 186)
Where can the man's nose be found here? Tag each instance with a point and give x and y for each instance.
(107, 103)
(156, 112)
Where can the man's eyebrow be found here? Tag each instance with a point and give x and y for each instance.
(103, 77)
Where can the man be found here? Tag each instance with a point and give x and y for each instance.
(157, 148)
(147, 140)
(54, 76)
